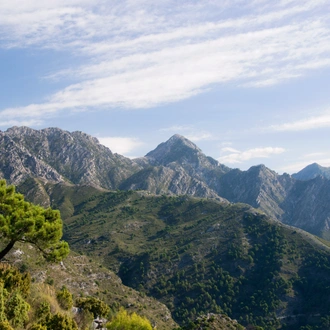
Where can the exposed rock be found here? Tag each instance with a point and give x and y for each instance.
(31, 158)
(312, 171)
(56, 156)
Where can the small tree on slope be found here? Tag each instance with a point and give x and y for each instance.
(21, 221)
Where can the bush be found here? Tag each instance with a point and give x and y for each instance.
(123, 320)
(17, 310)
(64, 298)
(62, 322)
(96, 306)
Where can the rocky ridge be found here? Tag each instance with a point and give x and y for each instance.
(312, 171)
(175, 167)
(56, 156)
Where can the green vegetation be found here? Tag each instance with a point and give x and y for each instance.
(21, 221)
(122, 320)
(93, 305)
(64, 297)
(197, 256)
(22, 308)
(35, 305)
(200, 256)
(25, 305)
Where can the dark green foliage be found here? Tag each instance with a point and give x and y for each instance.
(14, 304)
(199, 256)
(96, 306)
(3, 316)
(17, 310)
(14, 287)
(21, 221)
(43, 313)
(61, 322)
(64, 298)
(14, 280)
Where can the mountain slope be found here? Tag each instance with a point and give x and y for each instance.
(307, 206)
(312, 171)
(202, 256)
(56, 156)
(84, 277)
(259, 187)
(177, 166)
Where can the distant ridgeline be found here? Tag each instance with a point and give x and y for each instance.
(175, 167)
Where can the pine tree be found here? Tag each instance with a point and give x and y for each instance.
(21, 221)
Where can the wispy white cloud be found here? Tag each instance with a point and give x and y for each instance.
(120, 145)
(30, 123)
(315, 122)
(236, 156)
(190, 132)
(140, 54)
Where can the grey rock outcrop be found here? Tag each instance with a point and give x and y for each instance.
(178, 166)
(55, 155)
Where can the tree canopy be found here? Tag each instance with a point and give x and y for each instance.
(21, 221)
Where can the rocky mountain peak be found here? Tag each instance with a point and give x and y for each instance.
(175, 149)
(312, 171)
(63, 156)
(178, 139)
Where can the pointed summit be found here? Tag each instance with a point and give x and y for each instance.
(176, 149)
(312, 171)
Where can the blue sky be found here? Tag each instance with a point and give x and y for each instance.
(247, 81)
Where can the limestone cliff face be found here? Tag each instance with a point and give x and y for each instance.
(56, 155)
(307, 206)
(180, 151)
(17, 163)
(168, 180)
(259, 186)
(177, 166)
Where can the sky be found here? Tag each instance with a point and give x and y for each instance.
(247, 81)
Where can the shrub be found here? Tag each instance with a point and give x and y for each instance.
(17, 310)
(123, 320)
(96, 306)
(64, 298)
(62, 322)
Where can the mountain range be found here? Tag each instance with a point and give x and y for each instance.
(175, 167)
(178, 226)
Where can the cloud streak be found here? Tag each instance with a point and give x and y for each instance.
(236, 156)
(139, 55)
(321, 121)
(120, 145)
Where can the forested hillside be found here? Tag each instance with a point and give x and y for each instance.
(199, 256)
